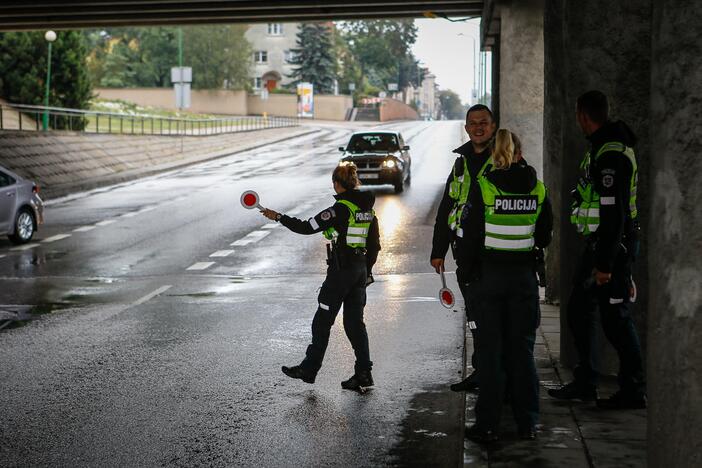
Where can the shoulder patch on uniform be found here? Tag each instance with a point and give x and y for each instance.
(608, 180)
(325, 215)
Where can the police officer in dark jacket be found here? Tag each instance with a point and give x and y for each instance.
(351, 226)
(604, 211)
(455, 211)
(512, 219)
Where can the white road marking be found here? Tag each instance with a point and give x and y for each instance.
(153, 294)
(84, 229)
(106, 222)
(251, 237)
(55, 238)
(3, 255)
(200, 266)
(147, 209)
(270, 226)
(222, 253)
(25, 247)
(129, 214)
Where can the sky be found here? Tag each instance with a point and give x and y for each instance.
(447, 49)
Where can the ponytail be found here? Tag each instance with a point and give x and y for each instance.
(503, 149)
(346, 174)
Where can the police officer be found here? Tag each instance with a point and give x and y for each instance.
(515, 218)
(604, 211)
(351, 226)
(455, 212)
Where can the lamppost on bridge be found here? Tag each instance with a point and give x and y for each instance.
(50, 37)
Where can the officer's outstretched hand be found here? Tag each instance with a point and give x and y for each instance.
(438, 264)
(270, 214)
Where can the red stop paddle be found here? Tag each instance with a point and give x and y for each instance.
(445, 294)
(250, 200)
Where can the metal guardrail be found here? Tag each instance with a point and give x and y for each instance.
(15, 116)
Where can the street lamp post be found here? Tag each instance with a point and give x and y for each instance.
(50, 37)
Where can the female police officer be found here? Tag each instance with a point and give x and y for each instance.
(517, 219)
(351, 226)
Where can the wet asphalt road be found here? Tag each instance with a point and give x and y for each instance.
(162, 312)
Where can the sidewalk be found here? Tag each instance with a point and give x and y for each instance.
(571, 434)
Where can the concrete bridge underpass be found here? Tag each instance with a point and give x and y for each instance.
(643, 54)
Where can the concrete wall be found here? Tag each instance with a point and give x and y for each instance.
(521, 89)
(392, 109)
(205, 101)
(327, 107)
(602, 45)
(675, 238)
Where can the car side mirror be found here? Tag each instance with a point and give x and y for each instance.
(405, 148)
(341, 148)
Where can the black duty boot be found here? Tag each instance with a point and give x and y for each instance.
(621, 400)
(527, 433)
(469, 384)
(362, 378)
(574, 391)
(479, 435)
(299, 372)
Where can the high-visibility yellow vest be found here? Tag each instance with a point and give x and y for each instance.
(359, 225)
(585, 215)
(459, 189)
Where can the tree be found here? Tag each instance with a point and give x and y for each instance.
(451, 107)
(131, 57)
(23, 60)
(313, 58)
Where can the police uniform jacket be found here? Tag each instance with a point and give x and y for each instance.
(519, 178)
(337, 216)
(611, 177)
(443, 235)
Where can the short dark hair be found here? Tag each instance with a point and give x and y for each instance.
(594, 104)
(479, 107)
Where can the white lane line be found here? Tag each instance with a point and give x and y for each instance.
(152, 294)
(3, 255)
(147, 209)
(270, 226)
(25, 247)
(106, 222)
(84, 229)
(55, 238)
(222, 253)
(129, 214)
(200, 266)
(254, 236)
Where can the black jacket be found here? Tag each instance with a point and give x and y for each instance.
(519, 178)
(443, 236)
(611, 178)
(337, 216)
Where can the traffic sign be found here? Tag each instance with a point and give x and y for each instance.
(446, 296)
(250, 200)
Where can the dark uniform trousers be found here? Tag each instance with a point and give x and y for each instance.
(612, 300)
(466, 292)
(347, 286)
(507, 315)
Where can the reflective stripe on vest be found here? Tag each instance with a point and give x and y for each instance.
(459, 189)
(586, 215)
(510, 218)
(358, 228)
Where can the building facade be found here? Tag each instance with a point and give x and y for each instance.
(272, 45)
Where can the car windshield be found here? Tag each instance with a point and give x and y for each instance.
(373, 142)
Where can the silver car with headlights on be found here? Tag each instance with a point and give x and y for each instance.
(21, 208)
(382, 158)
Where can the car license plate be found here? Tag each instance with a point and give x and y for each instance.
(367, 176)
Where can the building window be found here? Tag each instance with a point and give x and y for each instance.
(257, 82)
(261, 56)
(275, 29)
(289, 56)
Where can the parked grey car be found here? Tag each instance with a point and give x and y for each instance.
(381, 157)
(21, 208)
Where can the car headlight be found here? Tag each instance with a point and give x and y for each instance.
(389, 163)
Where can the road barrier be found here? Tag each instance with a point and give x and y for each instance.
(29, 118)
